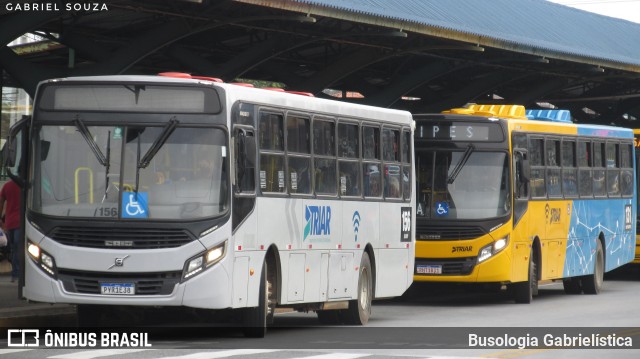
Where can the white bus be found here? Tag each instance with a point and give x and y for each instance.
(181, 191)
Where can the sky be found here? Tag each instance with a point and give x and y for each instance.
(623, 9)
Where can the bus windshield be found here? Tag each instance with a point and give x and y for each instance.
(478, 189)
(97, 171)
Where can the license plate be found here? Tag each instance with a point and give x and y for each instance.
(118, 288)
(429, 269)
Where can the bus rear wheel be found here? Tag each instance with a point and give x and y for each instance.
(359, 309)
(592, 284)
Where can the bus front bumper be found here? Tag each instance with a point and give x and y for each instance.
(496, 269)
(197, 292)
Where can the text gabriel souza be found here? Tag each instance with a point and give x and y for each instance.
(54, 6)
(550, 340)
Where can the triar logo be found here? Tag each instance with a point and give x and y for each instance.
(318, 220)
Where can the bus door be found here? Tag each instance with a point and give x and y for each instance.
(521, 181)
(244, 197)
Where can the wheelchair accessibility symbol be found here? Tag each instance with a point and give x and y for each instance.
(135, 205)
(442, 209)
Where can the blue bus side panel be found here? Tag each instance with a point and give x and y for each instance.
(589, 218)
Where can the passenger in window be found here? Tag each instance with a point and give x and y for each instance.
(393, 187)
(371, 180)
(299, 175)
(349, 179)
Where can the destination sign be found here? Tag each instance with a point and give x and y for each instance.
(460, 131)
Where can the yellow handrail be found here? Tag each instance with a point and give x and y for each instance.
(76, 187)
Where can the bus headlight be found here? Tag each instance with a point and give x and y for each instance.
(492, 249)
(204, 260)
(42, 259)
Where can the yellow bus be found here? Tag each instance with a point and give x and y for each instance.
(636, 144)
(512, 199)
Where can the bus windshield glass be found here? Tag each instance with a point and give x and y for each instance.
(96, 171)
(479, 189)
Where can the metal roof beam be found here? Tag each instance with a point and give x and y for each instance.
(84, 46)
(255, 55)
(340, 69)
(139, 48)
(477, 88)
(16, 24)
(537, 93)
(26, 74)
(404, 84)
(192, 61)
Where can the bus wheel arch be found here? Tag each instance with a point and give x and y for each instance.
(523, 292)
(359, 309)
(256, 319)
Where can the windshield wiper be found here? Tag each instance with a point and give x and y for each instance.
(157, 144)
(107, 166)
(155, 147)
(460, 164)
(84, 131)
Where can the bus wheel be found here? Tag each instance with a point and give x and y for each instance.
(255, 319)
(572, 285)
(591, 284)
(523, 291)
(359, 309)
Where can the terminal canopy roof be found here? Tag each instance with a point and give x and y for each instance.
(424, 56)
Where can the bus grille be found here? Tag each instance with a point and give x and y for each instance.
(145, 283)
(447, 233)
(122, 238)
(450, 266)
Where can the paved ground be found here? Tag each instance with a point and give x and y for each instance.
(16, 312)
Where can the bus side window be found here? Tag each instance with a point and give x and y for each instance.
(372, 177)
(585, 174)
(324, 151)
(537, 181)
(272, 178)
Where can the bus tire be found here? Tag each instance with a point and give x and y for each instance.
(534, 276)
(592, 283)
(523, 291)
(359, 309)
(572, 285)
(255, 319)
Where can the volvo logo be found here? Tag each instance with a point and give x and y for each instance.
(119, 262)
